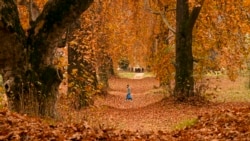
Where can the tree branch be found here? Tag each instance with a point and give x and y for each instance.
(56, 16)
(33, 11)
(194, 15)
(162, 14)
(169, 37)
(12, 36)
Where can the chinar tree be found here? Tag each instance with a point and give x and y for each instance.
(219, 41)
(30, 78)
(185, 21)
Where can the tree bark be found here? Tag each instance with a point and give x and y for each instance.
(30, 79)
(104, 61)
(82, 77)
(184, 81)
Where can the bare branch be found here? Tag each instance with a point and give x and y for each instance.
(162, 14)
(169, 37)
(165, 20)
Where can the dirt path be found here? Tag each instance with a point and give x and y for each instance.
(138, 75)
(142, 90)
(148, 111)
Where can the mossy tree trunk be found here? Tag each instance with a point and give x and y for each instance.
(82, 81)
(184, 80)
(30, 79)
(82, 77)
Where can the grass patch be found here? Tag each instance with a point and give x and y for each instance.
(149, 74)
(237, 92)
(130, 75)
(157, 91)
(185, 123)
(234, 96)
(225, 90)
(124, 74)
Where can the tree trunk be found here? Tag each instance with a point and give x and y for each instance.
(184, 81)
(105, 71)
(82, 78)
(102, 58)
(30, 79)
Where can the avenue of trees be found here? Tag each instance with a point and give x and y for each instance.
(177, 40)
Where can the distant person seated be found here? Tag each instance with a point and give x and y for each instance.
(128, 97)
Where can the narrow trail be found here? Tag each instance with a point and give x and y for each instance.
(142, 89)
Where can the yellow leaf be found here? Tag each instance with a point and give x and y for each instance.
(74, 71)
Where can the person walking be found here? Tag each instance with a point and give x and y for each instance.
(128, 97)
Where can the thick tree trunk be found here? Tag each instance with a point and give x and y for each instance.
(30, 79)
(184, 81)
(34, 94)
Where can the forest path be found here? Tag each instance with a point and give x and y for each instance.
(148, 111)
(138, 76)
(143, 91)
(143, 113)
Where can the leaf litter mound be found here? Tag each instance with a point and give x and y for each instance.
(233, 124)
